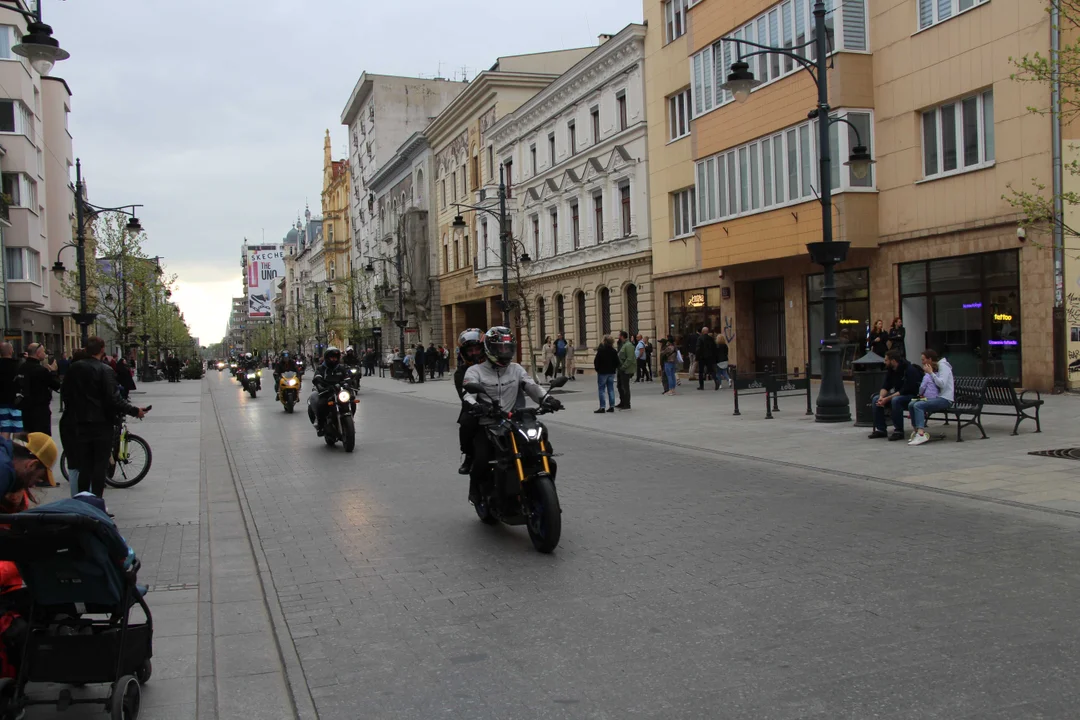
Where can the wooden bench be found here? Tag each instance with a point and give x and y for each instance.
(973, 395)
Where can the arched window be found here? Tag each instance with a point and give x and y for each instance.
(631, 311)
(605, 311)
(333, 270)
(579, 312)
(419, 187)
(541, 320)
(560, 315)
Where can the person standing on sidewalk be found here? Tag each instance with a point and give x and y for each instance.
(36, 381)
(639, 355)
(936, 394)
(560, 349)
(94, 401)
(418, 360)
(902, 381)
(10, 416)
(706, 359)
(689, 351)
(431, 360)
(669, 359)
(627, 368)
(606, 364)
(722, 360)
(648, 360)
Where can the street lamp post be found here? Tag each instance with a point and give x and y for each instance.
(832, 400)
(85, 211)
(399, 253)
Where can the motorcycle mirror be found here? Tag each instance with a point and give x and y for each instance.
(474, 388)
(559, 382)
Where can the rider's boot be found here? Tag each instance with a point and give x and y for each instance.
(466, 465)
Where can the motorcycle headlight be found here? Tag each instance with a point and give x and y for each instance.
(532, 433)
(344, 396)
(251, 376)
(259, 373)
(290, 381)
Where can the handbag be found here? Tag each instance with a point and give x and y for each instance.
(679, 357)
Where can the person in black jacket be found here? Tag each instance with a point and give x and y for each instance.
(606, 364)
(36, 382)
(706, 359)
(418, 361)
(93, 399)
(901, 385)
(330, 373)
(10, 416)
(470, 352)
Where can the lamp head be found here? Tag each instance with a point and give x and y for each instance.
(459, 222)
(860, 162)
(40, 48)
(740, 81)
(59, 270)
(134, 227)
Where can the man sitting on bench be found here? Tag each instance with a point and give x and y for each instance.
(901, 385)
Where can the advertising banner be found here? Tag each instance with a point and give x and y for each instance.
(266, 267)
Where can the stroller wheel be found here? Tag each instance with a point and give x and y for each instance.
(143, 673)
(126, 698)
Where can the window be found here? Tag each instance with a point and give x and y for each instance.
(778, 170)
(932, 12)
(483, 244)
(579, 313)
(959, 135)
(475, 175)
(8, 39)
(532, 157)
(679, 115)
(787, 25)
(446, 256)
(620, 103)
(605, 311)
(453, 184)
(551, 149)
(560, 315)
(631, 317)
(22, 264)
(624, 202)
(509, 167)
(684, 212)
(571, 136)
(594, 115)
(15, 117)
(457, 253)
(554, 213)
(541, 321)
(536, 236)
(674, 19)
(491, 162)
(333, 268)
(330, 236)
(598, 217)
(575, 226)
(444, 193)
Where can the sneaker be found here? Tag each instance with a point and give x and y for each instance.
(896, 436)
(919, 439)
(877, 434)
(601, 411)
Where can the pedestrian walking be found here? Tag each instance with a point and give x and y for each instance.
(689, 350)
(68, 427)
(606, 364)
(627, 368)
(648, 359)
(62, 365)
(706, 358)
(10, 415)
(36, 382)
(570, 368)
(548, 356)
(124, 379)
(722, 354)
(418, 360)
(639, 355)
(560, 354)
(670, 359)
(432, 358)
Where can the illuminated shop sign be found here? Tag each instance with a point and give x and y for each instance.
(1003, 342)
(697, 300)
(1002, 317)
(972, 306)
(849, 321)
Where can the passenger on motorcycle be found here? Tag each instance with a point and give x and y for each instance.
(507, 383)
(470, 352)
(330, 372)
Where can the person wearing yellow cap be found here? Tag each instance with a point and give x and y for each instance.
(26, 461)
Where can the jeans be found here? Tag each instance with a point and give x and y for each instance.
(73, 481)
(606, 382)
(722, 372)
(669, 373)
(897, 405)
(624, 390)
(921, 408)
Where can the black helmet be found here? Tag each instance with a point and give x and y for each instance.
(500, 346)
(332, 356)
(471, 345)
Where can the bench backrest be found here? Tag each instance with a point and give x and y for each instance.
(969, 390)
(999, 391)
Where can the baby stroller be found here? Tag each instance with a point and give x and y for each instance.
(72, 622)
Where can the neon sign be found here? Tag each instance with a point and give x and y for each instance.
(849, 321)
(696, 301)
(972, 306)
(1002, 317)
(1003, 342)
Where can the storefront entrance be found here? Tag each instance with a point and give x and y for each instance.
(770, 326)
(852, 311)
(691, 310)
(968, 309)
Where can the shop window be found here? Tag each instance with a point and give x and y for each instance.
(853, 313)
(560, 315)
(631, 315)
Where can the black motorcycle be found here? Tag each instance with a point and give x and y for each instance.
(340, 425)
(522, 487)
(251, 380)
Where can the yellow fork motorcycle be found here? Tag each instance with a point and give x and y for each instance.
(289, 390)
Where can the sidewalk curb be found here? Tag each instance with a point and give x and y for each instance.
(296, 682)
(781, 463)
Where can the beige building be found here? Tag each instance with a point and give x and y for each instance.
(337, 258)
(927, 87)
(466, 166)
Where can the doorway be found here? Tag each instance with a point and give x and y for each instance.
(770, 326)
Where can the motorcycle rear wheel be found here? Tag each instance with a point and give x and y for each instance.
(483, 511)
(543, 515)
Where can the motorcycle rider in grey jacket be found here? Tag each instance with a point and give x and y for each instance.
(504, 381)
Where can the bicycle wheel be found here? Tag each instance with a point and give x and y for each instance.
(134, 468)
(63, 465)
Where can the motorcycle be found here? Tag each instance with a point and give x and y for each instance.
(354, 375)
(220, 366)
(289, 390)
(340, 424)
(251, 381)
(522, 487)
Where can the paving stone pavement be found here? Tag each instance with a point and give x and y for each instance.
(693, 581)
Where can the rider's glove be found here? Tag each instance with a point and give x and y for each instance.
(553, 403)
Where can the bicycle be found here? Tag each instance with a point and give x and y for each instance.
(131, 455)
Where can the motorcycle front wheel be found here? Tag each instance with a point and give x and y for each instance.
(252, 391)
(543, 516)
(289, 406)
(348, 438)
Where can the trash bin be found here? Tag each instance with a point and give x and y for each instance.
(397, 370)
(869, 372)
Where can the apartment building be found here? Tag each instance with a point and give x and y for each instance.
(927, 87)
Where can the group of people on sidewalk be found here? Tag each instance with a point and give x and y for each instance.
(420, 362)
(907, 387)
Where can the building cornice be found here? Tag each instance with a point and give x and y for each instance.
(481, 91)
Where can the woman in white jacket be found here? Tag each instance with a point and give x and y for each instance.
(938, 393)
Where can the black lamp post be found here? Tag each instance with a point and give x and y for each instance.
(832, 399)
(85, 211)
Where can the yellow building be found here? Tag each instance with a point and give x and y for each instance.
(465, 162)
(926, 86)
(336, 255)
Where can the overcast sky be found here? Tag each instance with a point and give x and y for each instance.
(212, 113)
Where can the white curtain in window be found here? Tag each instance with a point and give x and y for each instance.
(854, 24)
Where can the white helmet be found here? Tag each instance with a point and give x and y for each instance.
(350, 349)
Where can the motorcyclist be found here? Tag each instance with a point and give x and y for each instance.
(351, 359)
(285, 363)
(504, 381)
(330, 372)
(470, 352)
